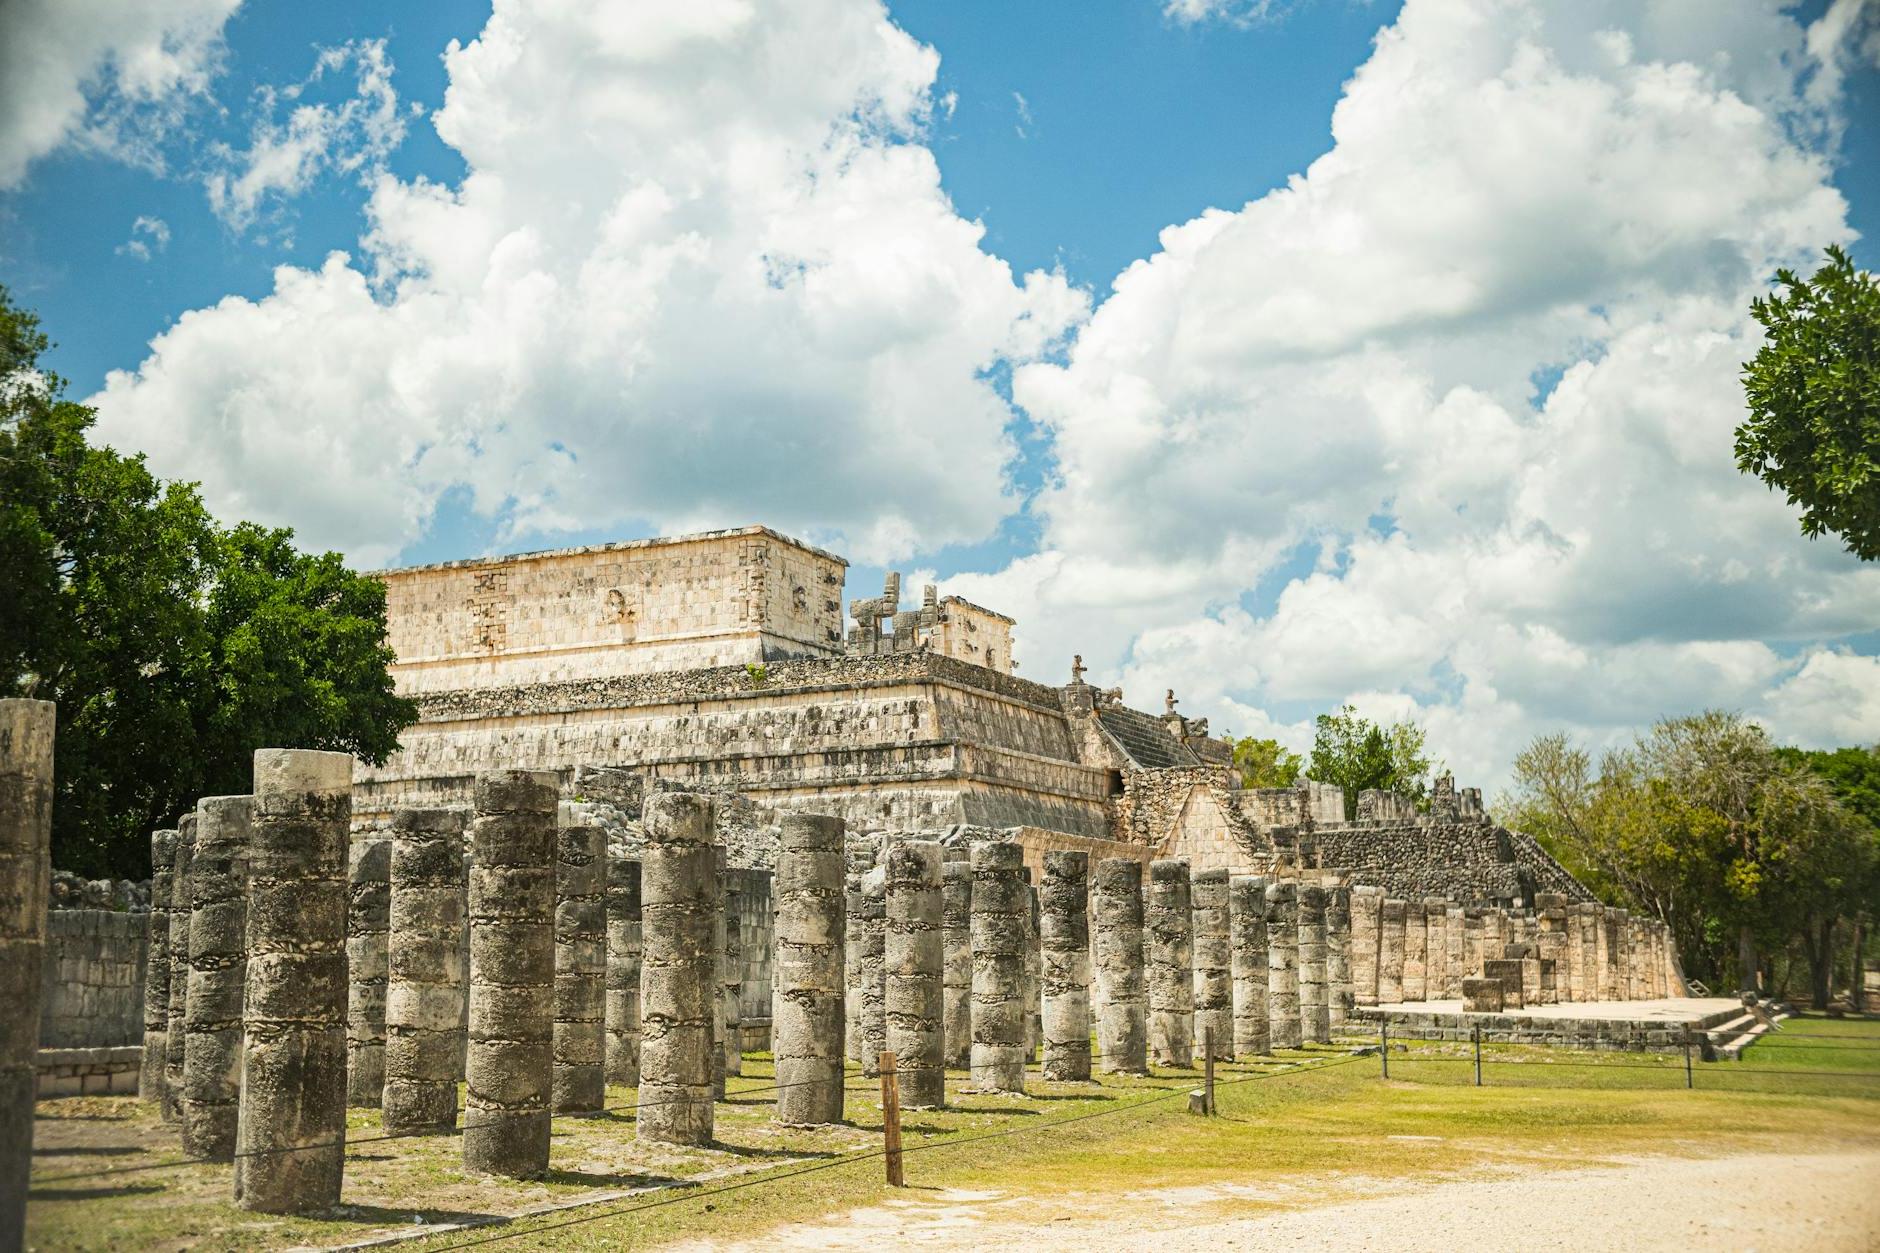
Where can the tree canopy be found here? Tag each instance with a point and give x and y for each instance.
(1266, 763)
(1813, 388)
(172, 646)
(1355, 753)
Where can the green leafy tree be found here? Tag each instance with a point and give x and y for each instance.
(1813, 429)
(1354, 753)
(172, 648)
(1266, 763)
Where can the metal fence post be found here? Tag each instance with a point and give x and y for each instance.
(1383, 1044)
(1689, 1079)
(1478, 1055)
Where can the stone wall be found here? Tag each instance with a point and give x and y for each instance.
(94, 979)
(1464, 860)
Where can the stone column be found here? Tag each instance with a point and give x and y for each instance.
(1614, 930)
(1171, 963)
(1338, 954)
(180, 889)
(150, 1079)
(854, 906)
(1214, 962)
(1435, 947)
(1416, 939)
(1034, 973)
(731, 972)
(1122, 1023)
(290, 1136)
(1282, 966)
(512, 974)
(1315, 1025)
(1456, 937)
(368, 921)
(579, 1047)
(623, 971)
(26, 737)
(1552, 938)
(913, 966)
(956, 941)
(1246, 896)
(871, 1022)
(1366, 916)
(424, 991)
(1390, 954)
(218, 965)
(999, 905)
(678, 969)
(1064, 938)
(806, 1031)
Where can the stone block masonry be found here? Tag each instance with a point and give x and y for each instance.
(871, 1013)
(912, 971)
(218, 968)
(623, 969)
(509, 1068)
(1246, 898)
(1456, 965)
(180, 889)
(578, 1084)
(1034, 972)
(1508, 973)
(1282, 966)
(854, 907)
(1315, 1023)
(1214, 964)
(368, 924)
(998, 926)
(1390, 953)
(92, 986)
(1338, 954)
(1415, 952)
(956, 939)
(291, 1129)
(1122, 1024)
(680, 902)
(808, 1027)
(1481, 996)
(1435, 948)
(26, 741)
(1171, 964)
(150, 1081)
(1064, 934)
(731, 980)
(425, 986)
(1367, 905)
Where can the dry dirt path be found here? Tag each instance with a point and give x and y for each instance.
(1761, 1203)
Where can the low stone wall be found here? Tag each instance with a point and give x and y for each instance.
(1633, 1035)
(94, 979)
(88, 1072)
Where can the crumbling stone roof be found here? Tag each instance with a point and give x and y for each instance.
(1144, 739)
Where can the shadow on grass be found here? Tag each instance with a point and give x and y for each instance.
(90, 1150)
(630, 1179)
(1070, 1096)
(387, 1215)
(746, 1150)
(93, 1194)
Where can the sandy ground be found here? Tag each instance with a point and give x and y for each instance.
(1748, 1204)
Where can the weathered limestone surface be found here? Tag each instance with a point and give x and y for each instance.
(1247, 920)
(913, 966)
(1338, 954)
(510, 1066)
(1390, 954)
(623, 971)
(1214, 963)
(1064, 935)
(956, 939)
(853, 909)
(151, 1079)
(1552, 938)
(1366, 917)
(678, 971)
(1481, 996)
(579, 1048)
(218, 966)
(871, 1022)
(1415, 952)
(291, 1129)
(1455, 964)
(808, 1026)
(180, 889)
(1436, 948)
(368, 923)
(1579, 951)
(1122, 1024)
(731, 977)
(1171, 963)
(1034, 973)
(26, 738)
(425, 981)
(1282, 966)
(999, 905)
(1509, 974)
(1315, 1023)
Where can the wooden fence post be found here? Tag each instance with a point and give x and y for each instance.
(891, 1118)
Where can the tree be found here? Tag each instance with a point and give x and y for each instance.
(172, 648)
(1813, 388)
(1354, 753)
(1266, 763)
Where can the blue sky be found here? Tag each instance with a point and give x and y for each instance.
(1075, 135)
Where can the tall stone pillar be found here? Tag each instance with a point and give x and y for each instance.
(368, 924)
(806, 1031)
(1214, 963)
(1367, 905)
(1064, 936)
(26, 737)
(1034, 973)
(1282, 966)
(680, 905)
(180, 890)
(731, 978)
(218, 966)
(1171, 963)
(1122, 1023)
(290, 1136)
(1456, 937)
(852, 943)
(1315, 1024)
(424, 990)
(1435, 947)
(999, 905)
(1338, 954)
(623, 971)
(579, 1047)
(1552, 938)
(913, 967)
(956, 941)
(871, 1022)
(1616, 920)
(151, 1079)
(512, 973)
(1390, 954)
(1246, 896)
(1416, 938)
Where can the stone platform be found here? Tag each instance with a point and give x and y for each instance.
(1636, 1026)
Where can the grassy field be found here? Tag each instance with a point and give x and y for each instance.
(1293, 1130)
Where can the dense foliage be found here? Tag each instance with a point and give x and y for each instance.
(1355, 753)
(1266, 763)
(172, 646)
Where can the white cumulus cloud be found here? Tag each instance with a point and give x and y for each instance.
(149, 235)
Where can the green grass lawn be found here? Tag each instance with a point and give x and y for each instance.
(1324, 1119)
